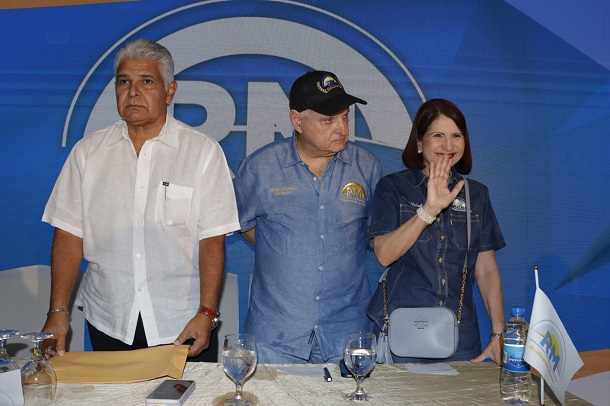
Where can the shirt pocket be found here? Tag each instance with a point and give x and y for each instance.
(173, 205)
(459, 231)
(406, 212)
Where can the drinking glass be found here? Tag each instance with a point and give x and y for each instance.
(359, 357)
(6, 362)
(239, 361)
(38, 377)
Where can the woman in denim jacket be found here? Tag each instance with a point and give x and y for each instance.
(419, 230)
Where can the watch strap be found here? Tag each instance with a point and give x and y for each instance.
(211, 313)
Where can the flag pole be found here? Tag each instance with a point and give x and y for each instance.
(541, 378)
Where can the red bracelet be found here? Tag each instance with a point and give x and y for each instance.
(211, 313)
(208, 311)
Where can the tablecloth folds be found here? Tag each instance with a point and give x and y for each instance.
(120, 366)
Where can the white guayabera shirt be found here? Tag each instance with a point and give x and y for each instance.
(141, 219)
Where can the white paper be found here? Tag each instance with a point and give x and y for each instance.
(10, 386)
(435, 368)
(594, 389)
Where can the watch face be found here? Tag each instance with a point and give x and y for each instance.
(215, 320)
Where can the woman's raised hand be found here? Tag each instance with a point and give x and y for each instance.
(439, 196)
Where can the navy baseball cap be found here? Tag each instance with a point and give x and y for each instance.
(321, 92)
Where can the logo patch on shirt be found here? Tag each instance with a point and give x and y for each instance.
(353, 193)
(459, 205)
(282, 191)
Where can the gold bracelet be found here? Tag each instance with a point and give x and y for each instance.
(494, 335)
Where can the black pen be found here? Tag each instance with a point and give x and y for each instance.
(166, 184)
(327, 376)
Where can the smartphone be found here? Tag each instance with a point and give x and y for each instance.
(170, 392)
(345, 372)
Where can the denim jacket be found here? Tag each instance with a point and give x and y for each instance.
(430, 273)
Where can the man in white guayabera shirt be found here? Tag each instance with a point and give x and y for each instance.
(147, 202)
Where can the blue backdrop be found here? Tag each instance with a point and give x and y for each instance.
(532, 79)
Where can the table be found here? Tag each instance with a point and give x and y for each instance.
(476, 384)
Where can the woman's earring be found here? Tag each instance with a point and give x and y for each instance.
(418, 151)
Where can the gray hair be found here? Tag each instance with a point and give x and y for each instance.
(143, 48)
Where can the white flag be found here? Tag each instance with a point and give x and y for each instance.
(549, 349)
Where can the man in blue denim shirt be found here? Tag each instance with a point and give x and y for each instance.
(304, 202)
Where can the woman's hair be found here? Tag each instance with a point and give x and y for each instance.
(426, 114)
(145, 49)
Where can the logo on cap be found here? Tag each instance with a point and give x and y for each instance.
(329, 83)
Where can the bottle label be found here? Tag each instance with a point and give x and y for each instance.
(513, 358)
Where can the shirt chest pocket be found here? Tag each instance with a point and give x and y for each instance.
(406, 212)
(459, 231)
(173, 206)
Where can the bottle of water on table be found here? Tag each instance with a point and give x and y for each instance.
(516, 379)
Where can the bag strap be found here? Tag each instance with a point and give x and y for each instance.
(468, 229)
(386, 318)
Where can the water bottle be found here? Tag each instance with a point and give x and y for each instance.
(516, 379)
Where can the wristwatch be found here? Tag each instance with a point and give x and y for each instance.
(212, 314)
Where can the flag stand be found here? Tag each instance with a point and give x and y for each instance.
(541, 377)
(549, 348)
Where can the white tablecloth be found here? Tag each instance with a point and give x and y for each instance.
(475, 384)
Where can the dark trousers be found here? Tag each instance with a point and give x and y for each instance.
(103, 342)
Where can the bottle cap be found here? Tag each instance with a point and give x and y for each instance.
(517, 311)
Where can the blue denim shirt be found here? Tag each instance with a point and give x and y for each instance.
(430, 273)
(311, 242)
